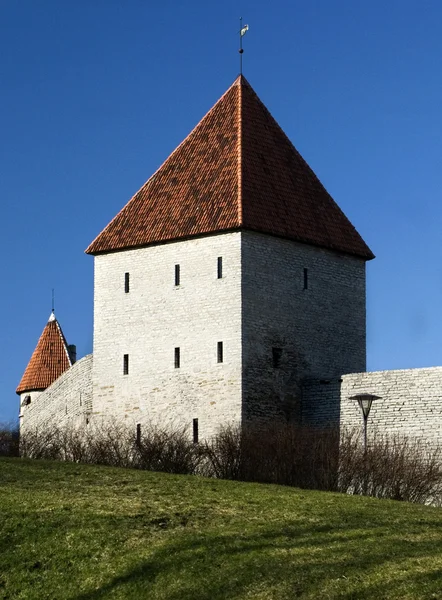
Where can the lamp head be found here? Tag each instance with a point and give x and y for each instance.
(365, 401)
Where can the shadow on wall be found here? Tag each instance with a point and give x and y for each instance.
(271, 381)
(321, 402)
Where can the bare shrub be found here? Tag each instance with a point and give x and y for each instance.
(42, 443)
(114, 444)
(392, 467)
(224, 453)
(75, 444)
(167, 450)
(281, 453)
(294, 455)
(110, 443)
(9, 440)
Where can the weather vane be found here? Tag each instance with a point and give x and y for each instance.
(53, 301)
(242, 33)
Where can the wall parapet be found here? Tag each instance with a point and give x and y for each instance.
(410, 403)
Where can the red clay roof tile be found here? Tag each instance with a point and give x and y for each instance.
(49, 360)
(236, 169)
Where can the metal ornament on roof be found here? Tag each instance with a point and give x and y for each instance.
(242, 32)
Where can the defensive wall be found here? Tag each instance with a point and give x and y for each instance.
(410, 403)
(67, 400)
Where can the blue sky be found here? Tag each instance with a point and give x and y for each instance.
(94, 95)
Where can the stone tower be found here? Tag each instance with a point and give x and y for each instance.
(229, 278)
(50, 359)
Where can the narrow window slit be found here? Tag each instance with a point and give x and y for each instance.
(177, 274)
(220, 267)
(276, 356)
(126, 364)
(177, 358)
(220, 352)
(305, 279)
(195, 431)
(126, 283)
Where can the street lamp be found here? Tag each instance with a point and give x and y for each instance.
(365, 401)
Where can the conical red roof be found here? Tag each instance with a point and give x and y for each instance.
(49, 360)
(236, 170)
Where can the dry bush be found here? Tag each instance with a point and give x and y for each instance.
(42, 443)
(281, 453)
(53, 442)
(294, 455)
(392, 467)
(9, 440)
(115, 444)
(101, 445)
(223, 454)
(110, 443)
(168, 450)
(75, 444)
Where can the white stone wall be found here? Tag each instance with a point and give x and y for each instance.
(25, 396)
(321, 329)
(154, 318)
(67, 400)
(411, 403)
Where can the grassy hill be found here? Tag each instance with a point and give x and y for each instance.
(87, 533)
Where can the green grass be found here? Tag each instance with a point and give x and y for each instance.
(89, 533)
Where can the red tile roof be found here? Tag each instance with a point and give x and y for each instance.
(236, 170)
(49, 360)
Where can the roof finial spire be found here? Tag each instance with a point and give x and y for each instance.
(242, 32)
(52, 317)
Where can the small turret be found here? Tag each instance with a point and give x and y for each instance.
(50, 359)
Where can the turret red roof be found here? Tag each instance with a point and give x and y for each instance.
(49, 360)
(236, 170)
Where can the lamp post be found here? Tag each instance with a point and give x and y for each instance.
(365, 401)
